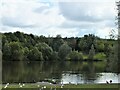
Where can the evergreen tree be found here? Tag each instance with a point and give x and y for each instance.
(91, 53)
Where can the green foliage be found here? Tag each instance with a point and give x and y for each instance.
(72, 42)
(64, 50)
(26, 53)
(99, 46)
(35, 54)
(46, 50)
(86, 42)
(19, 46)
(6, 51)
(13, 51)
(100, 56)
(113, 59)
(57, 42)
(75, 55)
(107, 49)
(91, 53)
(54, 56)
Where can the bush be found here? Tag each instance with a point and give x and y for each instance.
(75, 55)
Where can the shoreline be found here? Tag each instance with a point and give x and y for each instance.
(38, 85)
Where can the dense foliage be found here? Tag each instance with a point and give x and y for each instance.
(21, 46)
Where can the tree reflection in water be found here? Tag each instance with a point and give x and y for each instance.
(37, 71)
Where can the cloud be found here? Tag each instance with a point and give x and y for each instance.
(87, 11)
(68, 18)
(41, 9)
(24, 13)
(14, 22)
(89, 17)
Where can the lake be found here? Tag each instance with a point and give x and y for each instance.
(64, 72)
(80, 78)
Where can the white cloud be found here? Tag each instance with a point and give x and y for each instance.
(51, 18)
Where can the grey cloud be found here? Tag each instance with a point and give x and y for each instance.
(13, 22)
(83, 15)
(81, 11)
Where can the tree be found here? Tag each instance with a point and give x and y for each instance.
(26, 53)
(6, 52)
(35, 54)
(57, 42)
(112, 34)
(64, 50)
(86, 42)
(75, 55)
(13, 51)
(54, 56)
(107, 49)
(113, 59)
(91, 53)
(46, 50)
(20, 36)
(99, 46)
(71, 42)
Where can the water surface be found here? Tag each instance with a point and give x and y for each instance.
(63, 72)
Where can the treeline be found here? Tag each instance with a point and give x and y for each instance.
(21, 46)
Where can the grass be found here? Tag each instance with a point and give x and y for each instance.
(65, 87)
(85, 56)
(100, 56)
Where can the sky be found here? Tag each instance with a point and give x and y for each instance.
(69, 18)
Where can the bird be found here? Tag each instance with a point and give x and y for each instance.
(23, 84)
(7, 83)
(5, 86)
(110, 81)
(38, 86)
(61, 86)
(107, 82)
(44, 87)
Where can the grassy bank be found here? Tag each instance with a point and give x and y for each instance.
(98, 56)
(65, 87)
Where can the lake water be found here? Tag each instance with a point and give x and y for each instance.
(80, 79)
(64, 72)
